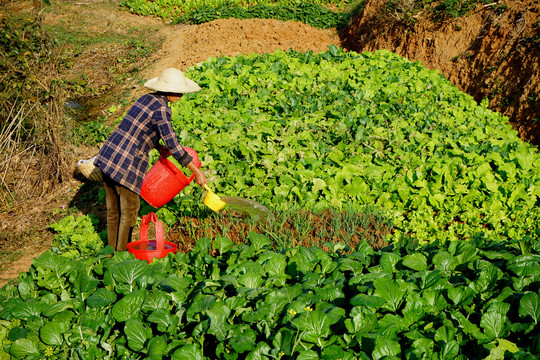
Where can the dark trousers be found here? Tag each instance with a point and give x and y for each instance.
(122, 212)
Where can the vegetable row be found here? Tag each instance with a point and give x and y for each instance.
(461, 300)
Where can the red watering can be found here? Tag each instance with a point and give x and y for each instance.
(164, 180)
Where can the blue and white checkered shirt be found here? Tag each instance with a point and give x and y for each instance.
(124, 156)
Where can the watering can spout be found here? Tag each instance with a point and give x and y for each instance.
(212, 200)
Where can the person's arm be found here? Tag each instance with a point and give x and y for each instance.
(162, 121)
(173, 147)
(199, 176)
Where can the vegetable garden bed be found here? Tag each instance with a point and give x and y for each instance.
(472, 300)
(325, 130)
(289, 229)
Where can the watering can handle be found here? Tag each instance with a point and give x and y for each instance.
(198, 165)
(158, 226)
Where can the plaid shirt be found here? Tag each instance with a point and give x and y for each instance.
(124, 156)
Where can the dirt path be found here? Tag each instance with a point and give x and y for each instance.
(183, 46)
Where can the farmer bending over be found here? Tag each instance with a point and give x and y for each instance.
(123, 159)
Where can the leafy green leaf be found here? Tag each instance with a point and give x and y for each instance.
(495, 324)
(308, 355)
(529, 305)
(461, 295)
(487, 279)
(258, 241)
(361, 321)
(415, 261)
(444, 261)
(450, 350)
(526, 265)
(391, 291)
(368, 301)
(188, 352)
(129, 306)
(129, 271)
(137, 334)
(163, 318)
(429, 279)
(314, 326)
(222, 244)
(101, 297)
(385, 347)
(52, 333)
(389, 261)
(242, 344)
(22, 348)
(218, 314)
(157, 347)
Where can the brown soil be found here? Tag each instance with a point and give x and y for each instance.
(484, 55)
(186, 46)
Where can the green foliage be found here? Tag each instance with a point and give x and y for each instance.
(76, 237)
(24, 47)
(454, 8)
(312, 14)
(173, 9)
(439, 10)
(323, 130)
(18, 40)
(91, 132)
(200, 11)
(287, 227)
(464, 299)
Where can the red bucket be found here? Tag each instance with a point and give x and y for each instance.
(148, 250)
(164, 180)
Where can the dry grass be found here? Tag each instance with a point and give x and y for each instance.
(45, 65)
(33, 126)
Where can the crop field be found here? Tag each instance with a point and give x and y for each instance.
(428, 249)
(197, 11)
(331, 129)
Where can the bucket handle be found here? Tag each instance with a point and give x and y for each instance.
(158, 226)
(190, 179)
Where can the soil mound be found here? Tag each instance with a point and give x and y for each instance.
(187, 45)
(493, 52)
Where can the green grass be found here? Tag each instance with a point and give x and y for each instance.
(95, 68)
(78, 33)
(315, 15)
(406, 11)
(401, 10)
